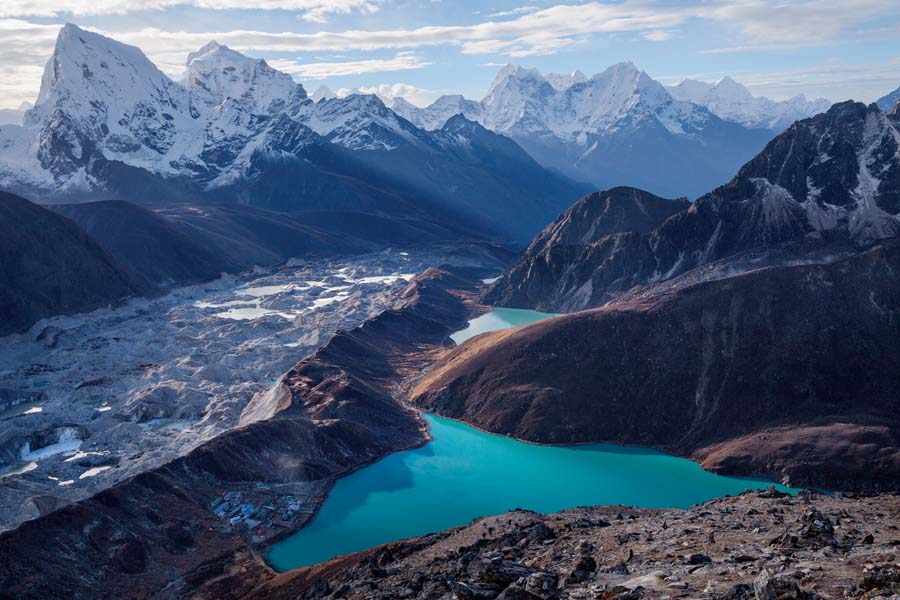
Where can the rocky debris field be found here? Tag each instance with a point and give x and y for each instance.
(95, 398)
(156, 534)
(759, 545)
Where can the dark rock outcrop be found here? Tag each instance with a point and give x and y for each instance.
(49, 266)
(787, 372)
(550, 270)
(152, 248)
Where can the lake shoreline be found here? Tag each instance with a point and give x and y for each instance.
(470, 474)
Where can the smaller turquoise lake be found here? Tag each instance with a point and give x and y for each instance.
(464, 474)
(499, 318)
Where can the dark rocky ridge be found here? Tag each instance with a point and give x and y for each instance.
(183, 243)
(153, 536)
(553, 261)
(783, 372)
(756, 545)
(827, 186)
(152, 248)
(49, 266)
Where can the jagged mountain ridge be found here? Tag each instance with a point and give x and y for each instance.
(888, 102)
(619, 127)
(732, 101)
(236, 130)
(827, 186)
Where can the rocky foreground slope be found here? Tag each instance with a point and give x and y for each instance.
(784, 372)
(760, 545)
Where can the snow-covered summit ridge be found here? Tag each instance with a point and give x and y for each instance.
(522, 101)
(571, 107)
(731, 101)
(216, 73)
(101, 98)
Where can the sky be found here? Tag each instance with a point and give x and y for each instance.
(421, 49)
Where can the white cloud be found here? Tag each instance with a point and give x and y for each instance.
(24, 48)
(756, 24)
(522, 10)
(861, 82)
(402, 61)
(388, 91)
(772, 25)
(313, 10)
(658, 35)
(543, 32)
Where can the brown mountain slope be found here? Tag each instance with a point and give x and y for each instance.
(788, 372)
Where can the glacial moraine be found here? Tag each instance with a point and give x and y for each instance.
(205, 350)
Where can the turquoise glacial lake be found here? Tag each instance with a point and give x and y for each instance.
(464, 474)
(499, 318)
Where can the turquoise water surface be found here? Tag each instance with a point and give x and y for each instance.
(499, 318)
(464, 474)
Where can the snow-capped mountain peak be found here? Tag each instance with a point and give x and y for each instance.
(360, 122)
(438, 112)
(564, 81)
(87, 67)
(729, 88)
(323, 93)
(732, 101)
(571, 107)
(216, 73)
(558, 81)
(98, 94)
(889, 101)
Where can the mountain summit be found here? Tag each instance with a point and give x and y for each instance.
(216, 73)
(619, 127)
(109, 124)
(731, 101)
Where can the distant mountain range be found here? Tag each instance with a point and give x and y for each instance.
(754, 330)
(826, 186)
(621, 127)
(732, 101)
(109, 124)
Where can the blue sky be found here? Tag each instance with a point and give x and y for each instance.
(424, 48)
